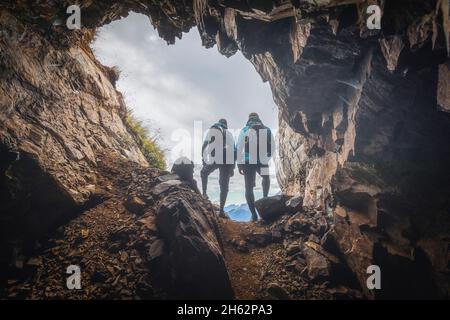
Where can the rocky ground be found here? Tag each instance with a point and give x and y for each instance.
(129, 245)
(106, 241)
(132, 245)
(284, 260)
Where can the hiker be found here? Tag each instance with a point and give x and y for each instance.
(218, 152)
(184, 168)
(254, 151)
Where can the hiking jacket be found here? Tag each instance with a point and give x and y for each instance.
(253, 133)
(228, 144)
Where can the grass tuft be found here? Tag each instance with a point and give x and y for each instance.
(149, 145)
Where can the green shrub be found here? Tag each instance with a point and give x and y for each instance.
(148, 144)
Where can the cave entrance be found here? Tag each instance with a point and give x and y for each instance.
(177, 92)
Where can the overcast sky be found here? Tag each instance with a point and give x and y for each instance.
(170, 87)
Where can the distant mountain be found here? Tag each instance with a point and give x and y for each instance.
(239, 212)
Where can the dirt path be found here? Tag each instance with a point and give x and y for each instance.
(262, 269)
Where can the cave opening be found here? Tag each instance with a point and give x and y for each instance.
(178, 91)
(363, 126)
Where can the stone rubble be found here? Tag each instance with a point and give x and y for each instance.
(291, 265)
(130, 248)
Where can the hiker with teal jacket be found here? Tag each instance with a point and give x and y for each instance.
(218, 152)
(254, 151)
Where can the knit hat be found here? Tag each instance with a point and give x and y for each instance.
(223, 123)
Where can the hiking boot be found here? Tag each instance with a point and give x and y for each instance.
(254, 217)
(223, 215)
(205, 196)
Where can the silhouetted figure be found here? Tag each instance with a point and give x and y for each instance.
(218, 154)
(254, 152)
(184, 168)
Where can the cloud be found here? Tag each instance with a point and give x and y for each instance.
(172, 86)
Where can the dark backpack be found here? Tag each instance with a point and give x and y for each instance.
(224, 141)
(257, 127)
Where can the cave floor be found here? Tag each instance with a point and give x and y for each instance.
(262, 269)
(100, 242)
(107, 242)
(104, 242)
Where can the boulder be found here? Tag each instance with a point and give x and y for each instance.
(168, 177)
(260, 239)
(148, 223)
(165, 186)
(34, 262)
(318, 261)
(296, 266)
(318, 265)
(443, 94)
(317, 247)
(276, 235)
(294, 204)
(293, 248)
(277, 291)
(271, 208)
(298, 222)
(197, 263)
(135, 205)
(322, 225)
(156, 249)
(313, 238)
(240, 245)
(345, 293)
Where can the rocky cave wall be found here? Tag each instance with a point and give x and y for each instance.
(362, 128)
(59, 112)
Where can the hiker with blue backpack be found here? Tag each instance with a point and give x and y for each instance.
(254, 151)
